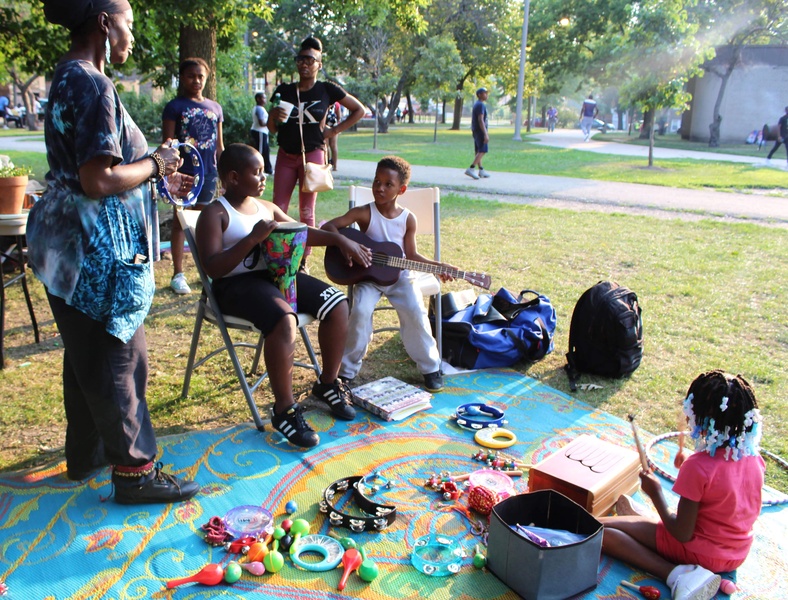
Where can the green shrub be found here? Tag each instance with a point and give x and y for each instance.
(146, 114)
(237, 110)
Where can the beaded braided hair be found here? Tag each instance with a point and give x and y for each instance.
(722, 412)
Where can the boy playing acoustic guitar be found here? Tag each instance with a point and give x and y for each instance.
(387, 221)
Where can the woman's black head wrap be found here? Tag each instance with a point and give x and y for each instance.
(73, 13)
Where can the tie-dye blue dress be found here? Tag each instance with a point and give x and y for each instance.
(85, 119)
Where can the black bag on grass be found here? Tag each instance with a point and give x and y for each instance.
(606, 333)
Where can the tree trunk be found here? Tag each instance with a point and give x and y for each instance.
(648, 124)
(443, 112)
(31, 117)
(435, 133)
(714, 132)
(410, 108)
(201, 43)
(716, 119)
(651, 144)
(458, 103)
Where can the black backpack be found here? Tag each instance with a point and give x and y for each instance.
(606, 333)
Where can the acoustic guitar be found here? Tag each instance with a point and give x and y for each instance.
(387, 264)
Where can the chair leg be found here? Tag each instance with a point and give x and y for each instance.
(258, 354)
(187, 376)
(241, 374)
(311, 351)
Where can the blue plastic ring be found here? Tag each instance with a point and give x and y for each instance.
(329, 548)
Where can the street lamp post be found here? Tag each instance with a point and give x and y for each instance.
(521, 79)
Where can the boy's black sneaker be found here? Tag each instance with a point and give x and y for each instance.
(294, 427)
(338, 397)
(433, 382)
(160, 488)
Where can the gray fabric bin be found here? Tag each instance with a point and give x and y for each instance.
(537, 573)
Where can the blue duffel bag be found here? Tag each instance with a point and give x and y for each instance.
(499, 330)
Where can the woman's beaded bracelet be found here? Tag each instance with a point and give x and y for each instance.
(161, 168)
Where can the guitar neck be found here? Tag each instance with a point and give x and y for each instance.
(415, 265)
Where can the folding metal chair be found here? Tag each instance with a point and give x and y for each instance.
(206, 312)
(424, 203)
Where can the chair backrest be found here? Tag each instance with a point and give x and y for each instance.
(424, 203)
(188, 221)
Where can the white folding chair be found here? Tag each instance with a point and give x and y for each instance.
(425, 204)
(206, 312)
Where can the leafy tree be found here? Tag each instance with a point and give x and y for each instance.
(169, 31)
(438, 68)
(29, 47)
(485, 32)
(662, 53)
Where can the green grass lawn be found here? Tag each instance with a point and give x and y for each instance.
(712, 295)
(674, 141)
(454, 149)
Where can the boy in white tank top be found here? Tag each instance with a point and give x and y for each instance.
(229, 233)
(386, 220)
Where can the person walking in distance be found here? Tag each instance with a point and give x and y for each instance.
(480, 133)
(782, 135)
(259, 131)
(588, 113)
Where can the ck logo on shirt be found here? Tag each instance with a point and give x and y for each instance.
(306, 108)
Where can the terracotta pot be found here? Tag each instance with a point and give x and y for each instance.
(12, 194)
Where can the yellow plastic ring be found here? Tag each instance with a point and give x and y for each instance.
(495, 437)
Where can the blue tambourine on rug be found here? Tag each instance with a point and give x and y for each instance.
(192, 155)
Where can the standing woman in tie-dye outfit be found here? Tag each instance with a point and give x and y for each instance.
(97, 156)
(197, 120)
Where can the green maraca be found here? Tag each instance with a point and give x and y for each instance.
(274, 561)
(232, 572)
(479, 560)
(368, 570)
(346, 542)
(297, 529)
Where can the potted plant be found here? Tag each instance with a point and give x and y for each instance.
(13, 183)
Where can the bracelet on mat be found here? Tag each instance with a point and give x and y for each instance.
(495, 437)
(477, 409)
(651, 463)
(161, 168)
(379, 516)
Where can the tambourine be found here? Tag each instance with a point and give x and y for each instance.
(249, 520)
(493, 417)
(437, 555)
(327, 547)
(373, 517)
(193, 155)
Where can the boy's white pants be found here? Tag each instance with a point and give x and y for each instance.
(415, 330)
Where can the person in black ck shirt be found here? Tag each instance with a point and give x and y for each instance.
(312, 98)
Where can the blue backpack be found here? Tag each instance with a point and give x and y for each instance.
(499, 330)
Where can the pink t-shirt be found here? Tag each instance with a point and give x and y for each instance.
(729, 493)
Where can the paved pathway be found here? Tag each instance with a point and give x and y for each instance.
(545, 190)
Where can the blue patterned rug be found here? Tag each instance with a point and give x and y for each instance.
(57, 540)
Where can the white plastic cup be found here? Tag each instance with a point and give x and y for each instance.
(288, 108)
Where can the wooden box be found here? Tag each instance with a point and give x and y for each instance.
(589, 471)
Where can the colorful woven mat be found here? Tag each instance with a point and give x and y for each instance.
(57, 540)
